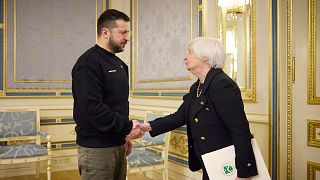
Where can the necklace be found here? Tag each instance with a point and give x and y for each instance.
(199, 91)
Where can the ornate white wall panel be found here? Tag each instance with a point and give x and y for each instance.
(314, 52)
(159, 45)
(43, 41)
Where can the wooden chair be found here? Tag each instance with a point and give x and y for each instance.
(150, 153)
(20, 136)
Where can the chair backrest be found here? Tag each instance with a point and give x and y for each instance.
(19, 122)
(157, 140)
(152, 152)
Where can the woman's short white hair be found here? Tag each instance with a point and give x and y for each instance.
(208, 49)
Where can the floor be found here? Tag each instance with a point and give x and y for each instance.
(67, 175)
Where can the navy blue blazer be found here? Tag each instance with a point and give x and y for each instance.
(217, 121)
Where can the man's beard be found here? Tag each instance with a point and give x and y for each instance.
(114, 47)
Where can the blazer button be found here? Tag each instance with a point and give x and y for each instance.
(207, 109)
(196, 120)
(249, 165)
(202, 138)
(202, 103)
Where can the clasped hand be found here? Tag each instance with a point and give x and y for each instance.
(137, 131)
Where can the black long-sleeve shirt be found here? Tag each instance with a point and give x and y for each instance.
(100, 91)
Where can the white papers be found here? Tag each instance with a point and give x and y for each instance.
(220, 164)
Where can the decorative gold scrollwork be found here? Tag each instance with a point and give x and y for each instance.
(73, 132)
(180, 143)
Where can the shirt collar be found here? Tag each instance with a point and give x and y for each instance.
(104, 51)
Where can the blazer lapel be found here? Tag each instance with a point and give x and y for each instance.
(203, 99)
(199, 107)
(187, 99)
(192, 94)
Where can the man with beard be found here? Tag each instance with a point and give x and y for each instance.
(100, 91)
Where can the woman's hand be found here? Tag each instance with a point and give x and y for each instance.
(145, 127)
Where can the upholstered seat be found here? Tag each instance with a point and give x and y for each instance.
(144, 157)
(22, 150)
(20, 136)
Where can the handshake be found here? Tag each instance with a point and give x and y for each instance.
(137, 131)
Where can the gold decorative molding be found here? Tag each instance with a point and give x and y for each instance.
(269, 113)
(158, 93)
(72, 132)
(133, 117)
(105, 5)
(289, 89)
(248, 94)
(248, 91)
(59, 145)
(203, 8)
(312, 168)
(252, 98)
(180, 143)
(166, 80)
(314, 133)
(179, 155)
(56, 120)
(312, 54)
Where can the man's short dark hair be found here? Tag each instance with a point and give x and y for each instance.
(107, 19)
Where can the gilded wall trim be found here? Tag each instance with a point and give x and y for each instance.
(312, 54)
(313, 167)
(313, 133)
(248, 92)
(289, 89)
(60, 145)
(4, 45)
(55, 120)
(203, 8)
(251, 94)
(179, 143)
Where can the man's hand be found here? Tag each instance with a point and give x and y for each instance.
(128, 147)
(136, 132)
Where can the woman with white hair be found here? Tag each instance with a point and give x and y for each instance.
(212, 110)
